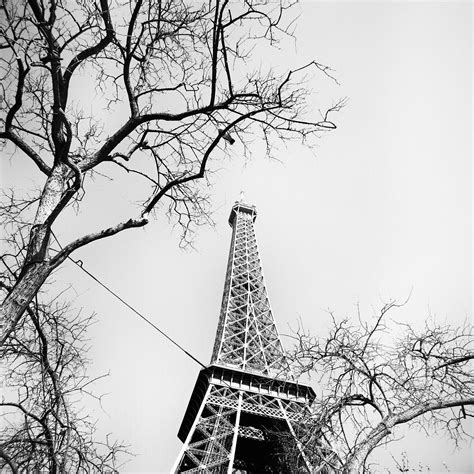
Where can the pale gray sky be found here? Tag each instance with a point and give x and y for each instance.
(382, 207)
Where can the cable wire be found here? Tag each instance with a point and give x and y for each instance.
(80, 264)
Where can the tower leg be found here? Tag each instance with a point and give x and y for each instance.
(298, 443)
(179, 459)
(236, 434)
(213, 436)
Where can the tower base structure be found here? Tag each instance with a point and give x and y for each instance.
(241, 422)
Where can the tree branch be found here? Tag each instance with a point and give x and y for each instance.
(91, 50)
(68, 249)
(456, 360)
(28, 150)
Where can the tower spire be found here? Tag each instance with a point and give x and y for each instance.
(246, 407)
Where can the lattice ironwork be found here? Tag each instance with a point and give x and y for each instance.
(209, 447)
(247, 337)
(248, 399)
(250, 432)
(262, 405)
(211, 443)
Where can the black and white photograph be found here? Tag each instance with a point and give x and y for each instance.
(236, 236)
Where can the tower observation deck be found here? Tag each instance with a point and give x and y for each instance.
(246, 407)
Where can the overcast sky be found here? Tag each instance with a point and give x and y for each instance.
(381, 206)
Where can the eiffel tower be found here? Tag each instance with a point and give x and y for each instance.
(246, 406)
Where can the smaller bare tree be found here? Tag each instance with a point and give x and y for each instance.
(43, 425)
(370, 382)
(43, 428)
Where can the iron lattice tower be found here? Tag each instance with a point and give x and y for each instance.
(246, 405)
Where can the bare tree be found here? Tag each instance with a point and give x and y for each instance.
(44, 374)
(43, 427)
(371, 381)
(182, 76)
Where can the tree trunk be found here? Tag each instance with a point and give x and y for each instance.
(21, 295)
(36, 266)
(356, 462)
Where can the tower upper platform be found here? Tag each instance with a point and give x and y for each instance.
(239, 206)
